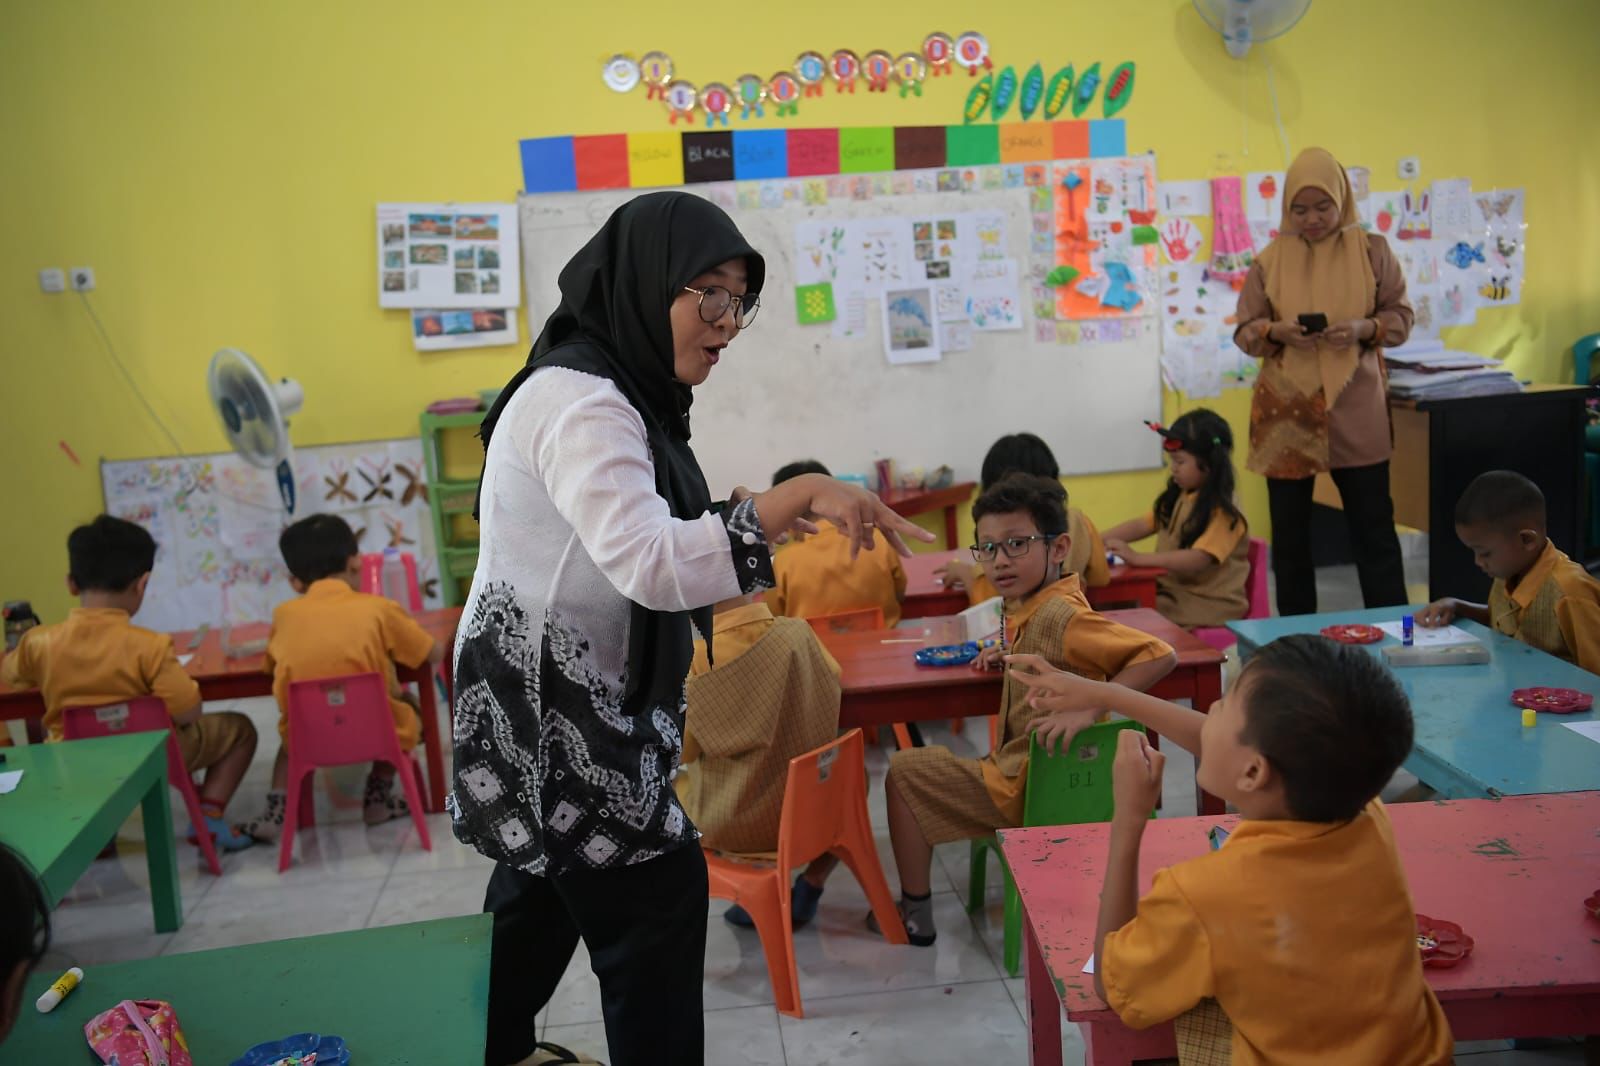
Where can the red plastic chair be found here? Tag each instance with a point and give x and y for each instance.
(336, 721)
(146, 714)
(824, 810)
(1221, 637)
(862, 620)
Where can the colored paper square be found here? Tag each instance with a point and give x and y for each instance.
(813, 152)
(1026, 142)
(708, 156)
(918, 147)
(1107, 137)
(547, 165)
(655, 159)
(814, 303)
(601, 162)
(760, 154)
(865, 149)
(1071, 139)
(972, 146)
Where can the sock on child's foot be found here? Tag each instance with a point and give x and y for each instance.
(916, 913)
(381, 802)
(267, 826)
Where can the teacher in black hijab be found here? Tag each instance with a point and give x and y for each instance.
(601, 552)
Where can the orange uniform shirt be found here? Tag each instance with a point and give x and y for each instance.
(816, 576)
(334, 630)
(1554, 607)
(97, 656)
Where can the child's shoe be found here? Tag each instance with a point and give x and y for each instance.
(802, 906)
(267, 826)
(917, 916)
(225, 836)
(381, 804)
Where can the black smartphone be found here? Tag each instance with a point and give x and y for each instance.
(1314, 321)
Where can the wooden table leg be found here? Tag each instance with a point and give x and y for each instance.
(1044, 1006)
(161, 854)
(430, 740)
(950, 528)
(1145, 594)
(1207, 691)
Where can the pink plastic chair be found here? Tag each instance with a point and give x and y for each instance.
(336, 721)
(1221, 637)
(372, 577)
(146, 714)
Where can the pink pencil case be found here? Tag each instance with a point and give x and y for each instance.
(142, 1032)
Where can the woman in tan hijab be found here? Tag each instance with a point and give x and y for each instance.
(1320, 402)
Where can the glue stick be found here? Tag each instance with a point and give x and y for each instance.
(1408, 633)
(1527, 716)
(58, 991)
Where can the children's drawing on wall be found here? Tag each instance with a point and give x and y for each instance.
(1263, 196)
(993, 296)
(820, 247)
(1106, 249)
(1416, 223)
(1384, 212)
(910, 331)
(1451, 212)
(1180, 240)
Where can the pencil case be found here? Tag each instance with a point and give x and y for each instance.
(138, 1032)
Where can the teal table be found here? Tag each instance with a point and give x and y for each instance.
(72, 798)
(1470, 741)
(400, 994)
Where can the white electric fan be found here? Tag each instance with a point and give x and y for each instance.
(255, 413)
(1243, 22)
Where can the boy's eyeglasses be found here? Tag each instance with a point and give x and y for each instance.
(715, 301)
(1014, 547)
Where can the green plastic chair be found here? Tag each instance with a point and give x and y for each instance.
(1068, 789)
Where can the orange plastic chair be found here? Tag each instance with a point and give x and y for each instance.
(336, 721)
(146, 714)
(824, 811)
(862, 620)
(1260, 604)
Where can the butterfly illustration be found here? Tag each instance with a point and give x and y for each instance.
(338, 487)
(1496, 204)
(397, 532)
(378, 485)
(416, 488)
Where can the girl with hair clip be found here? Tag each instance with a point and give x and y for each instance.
(1202, 540)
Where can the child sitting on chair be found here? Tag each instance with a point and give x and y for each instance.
(935, 796)
(1300, 927)
(98, 656)
(1025, 453)
(1539, 596)
(816, 575)
(773, 695)
(24, 933)
(1202, 540)
(332, 630)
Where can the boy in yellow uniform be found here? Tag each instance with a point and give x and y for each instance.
(98, 656)
(815, 575)
(934, 796)
(1300, 927)
(332, 630)
(1539, 596)
(773, 694)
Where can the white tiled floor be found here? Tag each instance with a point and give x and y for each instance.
(865, 1001)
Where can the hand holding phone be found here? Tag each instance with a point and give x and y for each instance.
(1313, 321)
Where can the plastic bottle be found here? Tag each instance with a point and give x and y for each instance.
(393, 576)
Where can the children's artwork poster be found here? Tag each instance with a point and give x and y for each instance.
(956, 335)
(1188, 199)
(910, 330)
(993, 296)
(1384, 210)
(1263, 196)
(216, 521)
(441, 329)
(1106, 239)
(1451, 209)
(1180, 240)
(448, 255)
(1499, 224)
(1263, 234)
(1198, 316)
(1416, 222)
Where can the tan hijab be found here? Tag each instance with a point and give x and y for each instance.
(1332, 275)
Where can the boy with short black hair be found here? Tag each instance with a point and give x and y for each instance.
(816, 575)
(334, 629)
(1305, 903)
(98, 656)
(24, 932)
(1539, 596)
(933, 795)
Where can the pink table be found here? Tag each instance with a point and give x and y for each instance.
(1512, 872)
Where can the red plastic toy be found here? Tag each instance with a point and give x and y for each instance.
(1442, 943)
(1356, 633)
(1553, 700)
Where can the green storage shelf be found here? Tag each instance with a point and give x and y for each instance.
(447, 499)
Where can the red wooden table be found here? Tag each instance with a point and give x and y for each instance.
(908, 502)
(224, 678)
(1512, 872)
(883, 684)
(926, 595)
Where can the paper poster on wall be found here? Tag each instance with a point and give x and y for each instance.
(957, 336)
(1262, 234)
(1384, 210)
(1263, 196)
(910, 331)
(1451, 209)
(1499, 210)
(447, 255)
(994, 300)
(1103, 211)
(1184, 198)
(434, 329)
(1181, 241)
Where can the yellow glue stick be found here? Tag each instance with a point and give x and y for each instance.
(58, 991)
(1527, 716)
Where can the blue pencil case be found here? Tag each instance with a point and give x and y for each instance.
(329, 1051)
(948, 654)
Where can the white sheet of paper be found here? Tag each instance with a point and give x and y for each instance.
(1188, 198)
(1088, 967)
(8, 781)
(1422, 637)
(910, 330)
(447, 255)
(1263, 196)
(1452, 209)
(1591, 730)
(442, 330)
(183, 660)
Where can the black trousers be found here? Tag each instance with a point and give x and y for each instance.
(645, 928)
(1369, 510)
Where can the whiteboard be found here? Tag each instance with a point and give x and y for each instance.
(784, 391)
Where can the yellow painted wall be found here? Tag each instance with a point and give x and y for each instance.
(218, 163)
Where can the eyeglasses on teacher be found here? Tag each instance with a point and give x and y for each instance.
(715, 301)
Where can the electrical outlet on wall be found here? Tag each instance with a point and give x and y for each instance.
(51, 279)
(1410, 168)
(82, 279)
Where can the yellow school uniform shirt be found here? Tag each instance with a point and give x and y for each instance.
(816, 576)
(1086, 558)
(1217, 594)
(334, 630)
(97, 656)
(1554, 607)
(1303, 932)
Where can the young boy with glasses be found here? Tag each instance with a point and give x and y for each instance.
(935, 796)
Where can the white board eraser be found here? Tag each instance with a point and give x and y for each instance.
(1449, 655)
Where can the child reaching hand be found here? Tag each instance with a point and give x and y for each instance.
(1202, 540)
(1301, 927)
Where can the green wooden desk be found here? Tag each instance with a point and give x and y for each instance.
(73, 796)
(400, 994)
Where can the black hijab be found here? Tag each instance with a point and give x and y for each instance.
(613, 322)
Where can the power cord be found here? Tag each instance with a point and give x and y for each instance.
(111, 350)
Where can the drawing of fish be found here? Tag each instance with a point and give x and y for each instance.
(1463, 255)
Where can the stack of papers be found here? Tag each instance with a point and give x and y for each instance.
(1429, 371)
